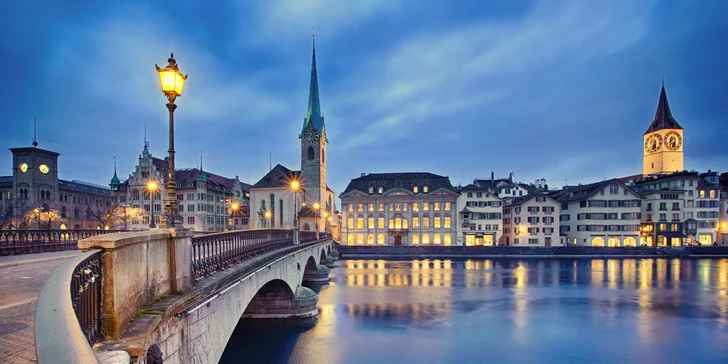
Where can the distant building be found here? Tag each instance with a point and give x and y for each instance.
(531, 220)
(481, 216)
(35, 186)
(407, 208)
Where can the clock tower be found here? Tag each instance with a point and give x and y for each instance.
(663, 141)
(313, 144)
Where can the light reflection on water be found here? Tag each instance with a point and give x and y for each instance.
(508, 310)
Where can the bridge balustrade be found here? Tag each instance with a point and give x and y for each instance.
(214, 252)
(14, 242)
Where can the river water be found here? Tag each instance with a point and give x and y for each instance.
(504, 311)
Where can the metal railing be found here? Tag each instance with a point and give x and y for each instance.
(214, 252)
(14, 242)
(68, 311)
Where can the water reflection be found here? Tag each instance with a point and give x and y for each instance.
(617, 310)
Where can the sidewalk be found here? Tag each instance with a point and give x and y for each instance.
(15, 260)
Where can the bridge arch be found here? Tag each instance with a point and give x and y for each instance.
(272, 292)
(322, 258)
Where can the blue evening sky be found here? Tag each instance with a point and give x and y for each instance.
(545, 89)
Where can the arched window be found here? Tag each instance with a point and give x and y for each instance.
(135, 195)
(598, 241)
(613, 242)
(310, 153)
(370, 239)
(63, 227)
(380, 239)
(415, 189)
(415, 239)
(630, 241)
(425, 239)
(447, 240)
(360, 239)
(350, 239)
(436, 240)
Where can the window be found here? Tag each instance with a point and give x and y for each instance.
(350, 223)
(437, 222)
(350, 208)
(398, 223)
(613, 189)
(447, 222)
(712, 193)
(447, 239)
(415, 189)
(470, 194)
(380, 223)
(371, 189)
(415, 239)
(424, 189)
(436, 239)
(370, 223)
(381, 190)
(702, 193)
(415, 207)
(310, 153)
(437, 206)
(359, 222)
(415, 222)
(360, 239)
(380, 239)
(426, 222)
(190, 220)
(381, 207)
(425, 239)
(370, 239)
(350, 239)
(425, 206)
(371, 207)
(391, 223)
(533, 241)
(359, 208)
(181, 208)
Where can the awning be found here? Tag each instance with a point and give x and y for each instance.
(672, 234)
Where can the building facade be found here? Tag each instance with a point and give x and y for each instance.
(275, 204)
(480, 215)
(35, 198)
(531, 220)
(399, 209)
(606, 213)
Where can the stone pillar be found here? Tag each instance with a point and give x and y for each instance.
(296, 236)
(180, 252)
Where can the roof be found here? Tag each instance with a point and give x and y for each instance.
(472, 187)
(523, 199)
(663, 117)
(583, 192)
(313, 114)
(34, 150)
(6, 180)
(191, 175)
(279, 176)
(82, 186)
(402, 180)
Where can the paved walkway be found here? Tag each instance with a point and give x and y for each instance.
(21, 279)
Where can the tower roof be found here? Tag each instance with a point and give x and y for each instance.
(201, 177)
(313, 114)
(663, 117)
(115, 179)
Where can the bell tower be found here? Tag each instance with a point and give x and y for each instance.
(313, 142)
(663, 141)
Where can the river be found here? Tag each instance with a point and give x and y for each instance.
(504, 311)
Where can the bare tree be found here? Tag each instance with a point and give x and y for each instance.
(43, 218)
(113, 216)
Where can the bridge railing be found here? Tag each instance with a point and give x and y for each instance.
(68, 312)
(214, 252)
(14, 242)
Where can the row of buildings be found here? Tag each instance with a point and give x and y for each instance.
(663, 205)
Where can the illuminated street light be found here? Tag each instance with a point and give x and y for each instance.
(295, 186)
(172, 82)
(152, 188)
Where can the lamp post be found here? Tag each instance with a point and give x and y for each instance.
(172, 82)
(295, 186)
(316, 208)
(234, 207)
(152, 189)
(267, 216)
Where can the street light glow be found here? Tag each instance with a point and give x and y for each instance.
(152, 186)
(295, 185)
(316, 206)
(267, 214)
(171, 78)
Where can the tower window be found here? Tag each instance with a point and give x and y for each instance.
(310, 153)
(323, 155)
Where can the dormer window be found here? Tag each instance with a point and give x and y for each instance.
(381, 190)
(415, 189)
(371, 189)
(424, 189)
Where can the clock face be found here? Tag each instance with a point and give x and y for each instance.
(310, 136)
(653, 143)
(673, 141)
(43, 169)
(23, 167)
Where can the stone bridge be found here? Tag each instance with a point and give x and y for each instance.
(164, 296)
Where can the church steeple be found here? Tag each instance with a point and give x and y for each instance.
(313, 114)
(201, 177)
(663, 117)
(115, 180)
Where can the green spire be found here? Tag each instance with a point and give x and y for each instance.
(313, 114)
(115, 179)
(201, 177)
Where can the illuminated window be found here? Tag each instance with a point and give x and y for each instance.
(597, 241)
(447, 206)
(613, 242)
(405, 223)
(350, 239)
(380, 239)
(370, 239)
(425, 206)
(424, 189)
(437, 222)
(371, 189)
(425, 239)
(381, 207)
(706, 239)
(630, 241)
(370, 223)
(350, 223)
(415, 222)
(404, 206)
(391, 223)
(415, 239)
(469, 240)
(415, 189)
(398, 223)
(447, 222)
(436, 239)
(359, 222)
(415, 207)
(391, 207)
(437, 206)
(350, 208)
(702, 194)
(447, 239)
(359, 208)
(712, 193)
(426, 222)
(381, 190)
(380, 223)
(371, 207)
(360, 239)
(398, 207)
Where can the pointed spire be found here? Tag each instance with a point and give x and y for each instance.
(201, 177)
(313, 114)
(35, 133)
(115, 179)
(663, 116)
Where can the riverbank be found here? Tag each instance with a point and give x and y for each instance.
(460, 252)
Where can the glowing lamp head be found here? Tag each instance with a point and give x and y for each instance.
(329, 218)
(152, 186)
(267, 214)
(235, 206)
(295, 185)
(326, 214)
(316, 206)
(171, 79)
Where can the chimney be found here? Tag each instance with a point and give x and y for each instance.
(363, 174)
(492, 176)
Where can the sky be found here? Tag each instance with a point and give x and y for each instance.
(560, 90)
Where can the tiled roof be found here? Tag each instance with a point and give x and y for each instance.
(663, 117)
(472, 187)
(583, 192)
(523, 199)
(279, 176)
(403, 180)
(82, 186)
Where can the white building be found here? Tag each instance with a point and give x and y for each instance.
(605, 213)
(531, 220)
(399, 209)
(481, 217)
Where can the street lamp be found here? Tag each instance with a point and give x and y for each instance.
(295, 186)
(172, 82)
(234, 207)
(316, 208)
(152, 188)
(267, 216)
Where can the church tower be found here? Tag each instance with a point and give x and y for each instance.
(313, 143)
(663, 141)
